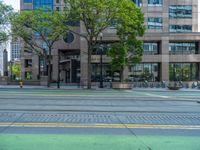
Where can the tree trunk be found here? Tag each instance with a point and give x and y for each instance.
(89, 65)
(121, 74)
(49, 73)
(49, 57)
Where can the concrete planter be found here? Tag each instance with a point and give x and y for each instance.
(174, 87)
(3, 80)
(43, 80)
(121, 85)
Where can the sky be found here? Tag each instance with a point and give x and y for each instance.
(14, 3)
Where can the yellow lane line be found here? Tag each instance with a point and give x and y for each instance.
(70, 125)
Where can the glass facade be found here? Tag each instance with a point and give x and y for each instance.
(176, 48)
(46, 4)
(138, 2)
(101, 48)
(28, 75)
(151, 48)
(155, 23)
(180, 28)
(155, 2)
(27, 1)
(183, 72)
(180, 11)
(106, 72)
(144, 71)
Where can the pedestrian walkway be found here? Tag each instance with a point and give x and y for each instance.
(54, 87)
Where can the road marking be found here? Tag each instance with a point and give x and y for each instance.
(154, 95)
(122, 126)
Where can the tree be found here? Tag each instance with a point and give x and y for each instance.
(125, 52)
(39, 29)
(96, 16)
(5, 13)
(16, 71)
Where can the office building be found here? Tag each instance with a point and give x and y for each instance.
(15, 50)
(171, 46)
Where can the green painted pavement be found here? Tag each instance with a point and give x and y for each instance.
(179, 95)
(96, 142)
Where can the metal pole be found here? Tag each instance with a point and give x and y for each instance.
(101, 70)
(58, 82)
(101, 62)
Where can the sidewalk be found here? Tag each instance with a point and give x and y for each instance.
(54, 87)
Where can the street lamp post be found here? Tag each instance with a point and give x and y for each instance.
(11, 74)
(101, 62)
(58, 82)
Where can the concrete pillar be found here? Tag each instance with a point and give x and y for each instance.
(164, 67)
(35, 67)
(84, 61)
(55, 65)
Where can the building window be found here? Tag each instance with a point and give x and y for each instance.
(106, 73)
(27, 1)
(68, 37)
(43, 67)
(183, 71)
(46, 4)
(28, 75)
(151, 48)
(155, 2)
(57, 1)
(144, 71)
(138, 2)
(28, 63)
(180, 48)
(180, 11)
(180, 28)
(101, 48)
(155, 23)
(57, 8)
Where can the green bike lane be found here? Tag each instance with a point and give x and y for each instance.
(59, 136)
(108, 93)
(96, 142)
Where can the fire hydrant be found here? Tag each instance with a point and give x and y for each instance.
(21, 84)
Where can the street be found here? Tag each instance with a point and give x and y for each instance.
(98, 119)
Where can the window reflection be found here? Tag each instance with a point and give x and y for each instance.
(144, 71)
(180, 28)
(155, 23)
(155, 2)
(151, 48)
(183, 48)
(183, 72)
(180, 11)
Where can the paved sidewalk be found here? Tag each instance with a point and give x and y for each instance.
(54, 87)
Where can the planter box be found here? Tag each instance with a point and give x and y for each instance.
(174, 87)
(4, 80)
(119, 85)
(43, 80)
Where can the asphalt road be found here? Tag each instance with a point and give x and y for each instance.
(82, 119)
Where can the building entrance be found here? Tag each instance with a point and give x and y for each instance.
(70, 66)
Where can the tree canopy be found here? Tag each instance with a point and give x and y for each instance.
(96, 16)
(39, 29)
(5, 13)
